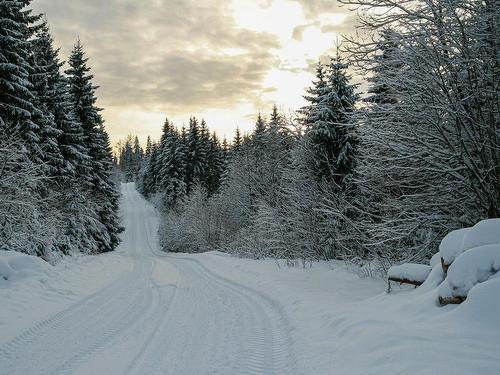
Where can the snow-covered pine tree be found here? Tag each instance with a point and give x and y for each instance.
(138, 155)
(259, 131)
(204, 149)
(275, 120)
(314, 94)
(17, 26)
(44, 79)
(64, 148)
(104, 194)
(27, 224)
(194, 158)
(171, 168)
(330, 129)
(149, 181)
(237, 140)
(149, 146)
(130, 157)
(386, 62)
(215, 165)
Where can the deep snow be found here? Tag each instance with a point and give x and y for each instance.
(140, 311)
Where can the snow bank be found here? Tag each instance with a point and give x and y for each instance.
(16, 266)
(32, 289)
(474, 266)
(409, 271)
(452, 245)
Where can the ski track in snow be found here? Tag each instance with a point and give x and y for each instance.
(186, 320)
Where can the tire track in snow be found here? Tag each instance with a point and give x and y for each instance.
(65, 340)
(271, 331)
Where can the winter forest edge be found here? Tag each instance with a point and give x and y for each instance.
(57, 195)
(378, 177)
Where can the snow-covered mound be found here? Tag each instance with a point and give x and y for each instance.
(475, 266)
(411, 272)
(15, 266)
(452, 245)
(486, 232)
(436, 259)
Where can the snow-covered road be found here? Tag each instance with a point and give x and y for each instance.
(142, 311)
(161, 314)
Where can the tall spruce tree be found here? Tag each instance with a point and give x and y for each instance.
(96, 140)
(44, 79)
(17, 109)
(172, 167)
(194, 158)
(329, 123)
(237, 140)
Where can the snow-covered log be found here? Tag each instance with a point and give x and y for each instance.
(452, 246)
(474, 266)
(485, 232)
(408, 273)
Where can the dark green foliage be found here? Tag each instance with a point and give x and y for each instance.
(103, 191)
(328, 121)
(57, 196)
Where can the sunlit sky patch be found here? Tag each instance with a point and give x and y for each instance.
(221, 60)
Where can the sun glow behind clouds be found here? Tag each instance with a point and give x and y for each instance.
(285, 83)
(218, 59)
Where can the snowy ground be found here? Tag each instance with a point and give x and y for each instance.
(140, 311)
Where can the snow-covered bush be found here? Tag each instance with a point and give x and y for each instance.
(15, 266)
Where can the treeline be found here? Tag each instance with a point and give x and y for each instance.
(56, 192)
(129, 158)
(381, 178)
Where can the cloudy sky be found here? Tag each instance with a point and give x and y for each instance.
(224, 60)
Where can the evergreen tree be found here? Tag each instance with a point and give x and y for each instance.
(96, 140)
(314, 95)
(64, 153)
(275, 120)
(386, 63)
(215, 165)
(237, 140)
(205, 150)
(149, 146)
(259, 130)
(16, 98)
(149, 181)
(194, 157)
(44, 79)
(329, 127)
(171, 167)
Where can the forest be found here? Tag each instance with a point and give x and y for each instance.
(57, 192)
(378, 176)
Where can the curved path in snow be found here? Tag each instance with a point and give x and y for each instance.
(167, 314)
